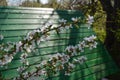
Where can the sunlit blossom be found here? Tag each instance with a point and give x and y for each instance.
(18, 45)
(90, 19)
(1, 37)
(75, 19)
(62, 21)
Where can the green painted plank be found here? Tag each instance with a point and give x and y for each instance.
(24, 33)
(35, 16)
(29, 8)
(27, 26)
(25, 11)
(26, 21)
(33, 26)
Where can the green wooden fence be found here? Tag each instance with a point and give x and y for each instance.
(16, 22)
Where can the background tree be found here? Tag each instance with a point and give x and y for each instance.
(104, 11)
(52, 4)
(29, 3)
(3, 3)
(112, 41)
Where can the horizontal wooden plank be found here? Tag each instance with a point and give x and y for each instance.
(33, 8)
(7, 27)
(29, 21)
(26, 21)
(36, 16)
(27, 11)
(23, 33)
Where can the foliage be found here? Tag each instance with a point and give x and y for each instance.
(30, 4)
(117, 21)
(90, 8)
(3, 3)
(99, 25)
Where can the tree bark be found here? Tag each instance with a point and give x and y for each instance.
(111, 42)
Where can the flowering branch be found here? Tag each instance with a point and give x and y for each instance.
(61, 61)
(58, 61)
(28, 44)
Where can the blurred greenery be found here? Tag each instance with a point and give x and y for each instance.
(3, 3)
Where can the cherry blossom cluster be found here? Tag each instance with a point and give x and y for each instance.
(28, 44)
(1, 37)
(60, 61)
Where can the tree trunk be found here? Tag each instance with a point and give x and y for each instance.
(38, 1)
(111, 42)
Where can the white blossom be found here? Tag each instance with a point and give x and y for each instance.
(28, 48)
(30, 35)
(70, 49)
(20, 69)
(90, 39)
(93, 37)
(26, 75)
(59, 54)
(104, 79)
(68, 27)
(23, 59)
(62, 21)
(90, 19)
(44, 62)
(42, 72)
(1, 63)
(93, 45)
(18, 45)
(67, 73)
(75, 19)
(79, 47)
(61, 29)
(8, 58)
(65, 58)
(44, 38)
(82, 59)
(49, 24)
(23, 56)
(71, 65)
(82, 44)
(1, 37)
